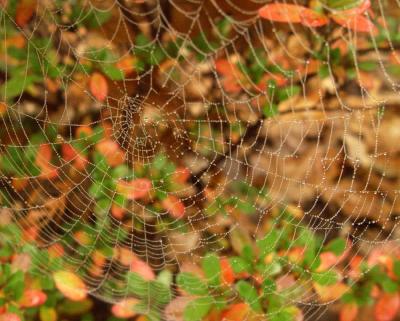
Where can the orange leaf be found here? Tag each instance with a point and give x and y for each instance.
(98, 258)
(84, 130)
(292, 13)
(117, 211)
(228, 276)
(98, 86)
(56, 250)
(82, 238)
(330, 292)
(138, 188)
(357, 23)
(181, 175)
(126, 64)
(313, 19)
(224, 67)
(232, 75)
(70, 285)
(3, 108)
(43, 159)
(125, 309)
(387, 307)
(24, 12)
(348, 312)
(19, 183)
(231, 85)
(174, 206)
(236, 312)
(328, 259)
(111, 151)
(32, 298)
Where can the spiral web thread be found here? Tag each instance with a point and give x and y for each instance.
(323, 151)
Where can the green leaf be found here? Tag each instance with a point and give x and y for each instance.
(192, 284)
(75, 308)
(337, 246)
(112, 71)
(151, 313)
(15, 86)
(368, 65)
(388, 285)
(270, 110)
(159, 293)
(282, 315)
(325, 278)
(212, 269)
(97, 18)
(198, 309)
(249, 294)
(396, 268)
(268, 243)
(268, 286)
(137, 285)
(342, 4)
(287, 92)
(271, 269)
(239, 265)
(15, 286)
(165, 277)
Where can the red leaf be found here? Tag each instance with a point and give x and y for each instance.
(32, 298)
(69, 153)
(138, 188)
(24, 12)
(357, 23)
(348, 312)
(142, 268)
(21, 262)
(174, 206)
(70, 285)
(125, 309)
(98, 86)
(10, 317)
(292, 13)
(387, 306)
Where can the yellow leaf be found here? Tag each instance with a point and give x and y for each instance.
(70, 285)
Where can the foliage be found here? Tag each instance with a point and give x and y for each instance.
(256, 275)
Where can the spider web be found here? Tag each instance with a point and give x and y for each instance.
(191, 109)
